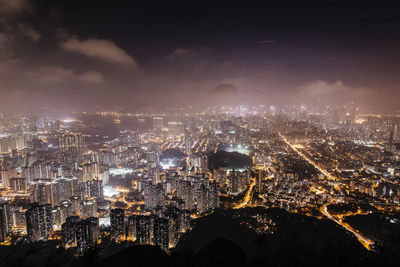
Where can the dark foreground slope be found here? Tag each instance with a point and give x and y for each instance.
(221, 239)
(298, 240)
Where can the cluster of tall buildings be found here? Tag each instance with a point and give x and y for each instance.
(53, 187)
(11, 142)
(193, 193)
(50, 186)
(39, 222)
(162, 228)
(80, 233)
(174, 129)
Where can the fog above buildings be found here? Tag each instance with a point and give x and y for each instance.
(82, 55)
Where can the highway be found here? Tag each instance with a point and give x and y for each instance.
(248, 197)
(367, 243)
(324, 172)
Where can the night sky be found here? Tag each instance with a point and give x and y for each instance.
(83, 54)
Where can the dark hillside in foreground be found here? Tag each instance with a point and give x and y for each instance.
(222, 239)
(298, 239)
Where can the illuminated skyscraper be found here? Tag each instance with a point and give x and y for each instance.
(184, 221)
(153, 195)
(87, 234)
(142, 228)
(158, 124)
(39, 222)
(234, 181)
(117, 219)
(71, 144)
(95, 189)
(174, 225)
(131, 228)
(161, 236)
(88, 208)
(18, 184)
(136, 142)
(259, 181)
(202, 199)
(67, 187)
(68, 231)
(10, 142)
(75, 205)
(5, 224)
(188, 146)
(213, 196)
(153, 155)
(184, 191)
(45, 193)
(175, 129)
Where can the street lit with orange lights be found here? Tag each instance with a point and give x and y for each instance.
(366, 242)
(246, 201)
(295, 148)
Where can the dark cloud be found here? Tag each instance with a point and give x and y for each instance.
(224, 90)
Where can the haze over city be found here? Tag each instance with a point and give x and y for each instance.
(75, 55)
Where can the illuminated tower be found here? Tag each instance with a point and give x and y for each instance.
(175, 129)
(39, 222)
(153, 196)
(68, 231)
(5, 226)
(142, 228)
(161, 236)
(234, 182)
(72, 143)
(88, 208)
(188, 146)
(87, 234)
(117, 219)
(202, 200)
(158, 124)
(213, 195)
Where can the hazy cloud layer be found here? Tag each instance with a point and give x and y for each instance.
(179, 53)
(55, 74)
(12, 7)
(101, 49)
(331, 93)
(28, 31)
(3, 40)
